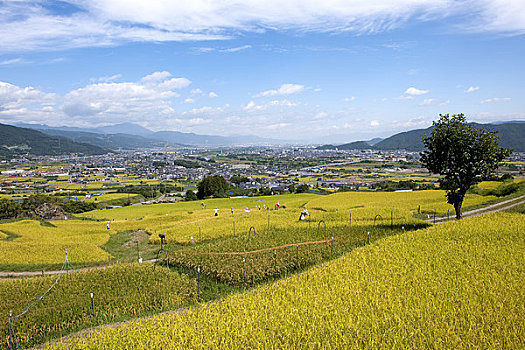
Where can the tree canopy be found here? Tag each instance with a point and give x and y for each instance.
(214, 185)
(463, 154)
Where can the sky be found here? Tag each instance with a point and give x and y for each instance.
(308, 70)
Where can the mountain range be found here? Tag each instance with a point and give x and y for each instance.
(512, 135)
(133, 136)
(15, 141)
(40, 139)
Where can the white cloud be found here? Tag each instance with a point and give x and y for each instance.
(174, 83)
(155, 77)
(196, 91)
(285, 103)
(285, 89)
(29, 25)
(251, 106)
(415, 92)
(212, 95)
(107, 79)
(374, 123)
(402, 97)
(277, 126)
(205, 110)
(148, 99)
(12, 96)
(434, 102)
(496, 99)
(198, 121)
(349, 99)
(26, 104)
(472, 89)
(189, 100)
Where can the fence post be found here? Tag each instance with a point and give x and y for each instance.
(275, 259)
(10, 340)
(92, 305)
(243, 271)
(350, 222)
(198, 282)
(297, 254)
(332, 247)
(138, 250)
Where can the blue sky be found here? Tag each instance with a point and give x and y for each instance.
(331, 71)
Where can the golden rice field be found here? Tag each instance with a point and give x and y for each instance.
(454, 286)
(119, 291)
(489, 185)
(111, 196)
(34, 244)
(37, 244)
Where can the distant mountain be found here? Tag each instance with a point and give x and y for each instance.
(512, 135)
(110, 141)
(348, 146)
(409, 140)
(210, 140)
(154, 139)
(374, 141)
(15, 141)
(125, 128)
(122, 128)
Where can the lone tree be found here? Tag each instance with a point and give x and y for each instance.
(463, 154)
(214, 185)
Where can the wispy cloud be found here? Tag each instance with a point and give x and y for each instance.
(472, 89)
(434, 102)
(107, 79)
(496, 99)
(11, 61)
(29, 26)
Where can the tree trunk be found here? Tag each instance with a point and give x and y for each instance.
(457, 208)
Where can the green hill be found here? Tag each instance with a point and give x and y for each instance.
(110, 141)
(512, 135)
(17, 141)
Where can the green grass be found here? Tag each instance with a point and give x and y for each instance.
(123, 246)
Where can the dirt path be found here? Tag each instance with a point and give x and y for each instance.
(486, 210)
(55, 272)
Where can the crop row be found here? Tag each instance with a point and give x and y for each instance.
(119, 292)
(253, 257)
(453, 286)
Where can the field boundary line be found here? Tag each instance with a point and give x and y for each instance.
(265, 249)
